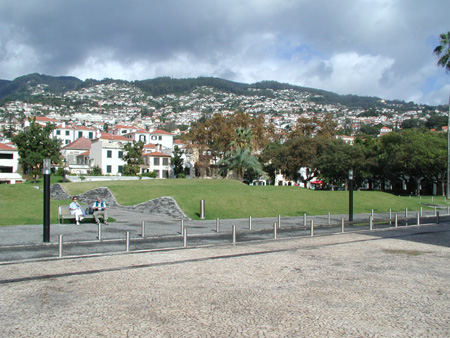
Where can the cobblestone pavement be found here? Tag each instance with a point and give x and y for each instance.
(391, 283)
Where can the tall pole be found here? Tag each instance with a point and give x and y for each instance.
(448, 150)
(46, 173)
(350, 200)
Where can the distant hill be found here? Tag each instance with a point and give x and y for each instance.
(21, 88)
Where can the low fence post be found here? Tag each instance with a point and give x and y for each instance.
(234, 233)
(312, 227)
(390, 216)
(275, 230)
(202, 209)
(421, 211)
(342, 225)
(99, 236)
(370, 223)
(304, 219)
(418, 218)
(396, 220)
(60, 247)
(279, 221)
(182, 225)
(143, 229)
(329, 218)
(438, 218)
(435, 210)
(217, 225)
(128, 242)
(250, 223)
(185, 238)
(406, 212)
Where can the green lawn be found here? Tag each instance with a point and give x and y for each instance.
(23, 204)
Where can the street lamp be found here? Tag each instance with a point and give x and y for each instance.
(46, 172)
(350, 201)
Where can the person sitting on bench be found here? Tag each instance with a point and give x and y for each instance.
(75, 209)
(100, 210)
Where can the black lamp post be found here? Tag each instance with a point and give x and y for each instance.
(46, 173)
(350, 201)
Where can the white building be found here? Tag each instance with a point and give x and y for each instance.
(156, 162)
(107, 153)
(9, 163)
(77, 156)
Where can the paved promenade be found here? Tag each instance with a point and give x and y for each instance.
(384, 283)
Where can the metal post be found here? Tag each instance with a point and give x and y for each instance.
(143, 229)
(396, 220)
(418, 218)
(250, 223)
(185, 238)
(406, 212)
(438, 218)
(421, 211)
(304, 219)
(217, 225)
(99, 231)
(372, 214)
(342, 225)
(275, 230)
(182, 225)
(279, 221)
(435, 210)
(390, 216)
(46, 172)
(234, 233)
(60, 254)
(128, 242)
(329, 218)
(370, 223)
(202, 209)
(350, 201)
(312, 227)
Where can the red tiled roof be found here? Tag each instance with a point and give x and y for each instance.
(156, 154)
(157, 131)
(106, 136)
(149, 145)
(81, 143)
(6, 147)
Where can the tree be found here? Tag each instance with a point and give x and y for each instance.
(442, 51)
(34, 144)
(240, 160)
(177, 161)
(133, 157)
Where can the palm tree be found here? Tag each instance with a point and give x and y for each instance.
(442, 51)
(243, 138)
(240, 160)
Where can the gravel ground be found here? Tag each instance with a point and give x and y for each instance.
(388, 283)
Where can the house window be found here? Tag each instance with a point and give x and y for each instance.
(67, 132)
(165, 173)
(160, 138)
(58, 132)
(156, 161)
(120, 154)
(157, 173)
(142, 138)
(108, 169)
(4, 169)
(120, 169)
(6, 156)
(80, 134)
(91, 135)
(67, 141)
(165, 161)
(109, 154)
(154, 137)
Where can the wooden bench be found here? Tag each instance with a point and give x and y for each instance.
(64, 213)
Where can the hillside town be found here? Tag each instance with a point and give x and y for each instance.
(94, 123)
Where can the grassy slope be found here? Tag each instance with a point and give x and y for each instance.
(23, 204)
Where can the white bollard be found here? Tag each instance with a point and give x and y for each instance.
(279, 221)
(342, 225)
(329, 218)
(128, 242)
(250, 223)
(60, 251)
(275, 230)
(234, 234)
(99, 231)
(217, 225)
(143, 229)
(312, 227)
(370, 223)
(304, 219)
(185, 237)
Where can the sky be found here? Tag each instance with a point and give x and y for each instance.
(380, 48)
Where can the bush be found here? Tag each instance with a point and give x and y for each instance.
(181, 175)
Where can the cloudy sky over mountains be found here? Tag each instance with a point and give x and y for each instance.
(366, 47)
